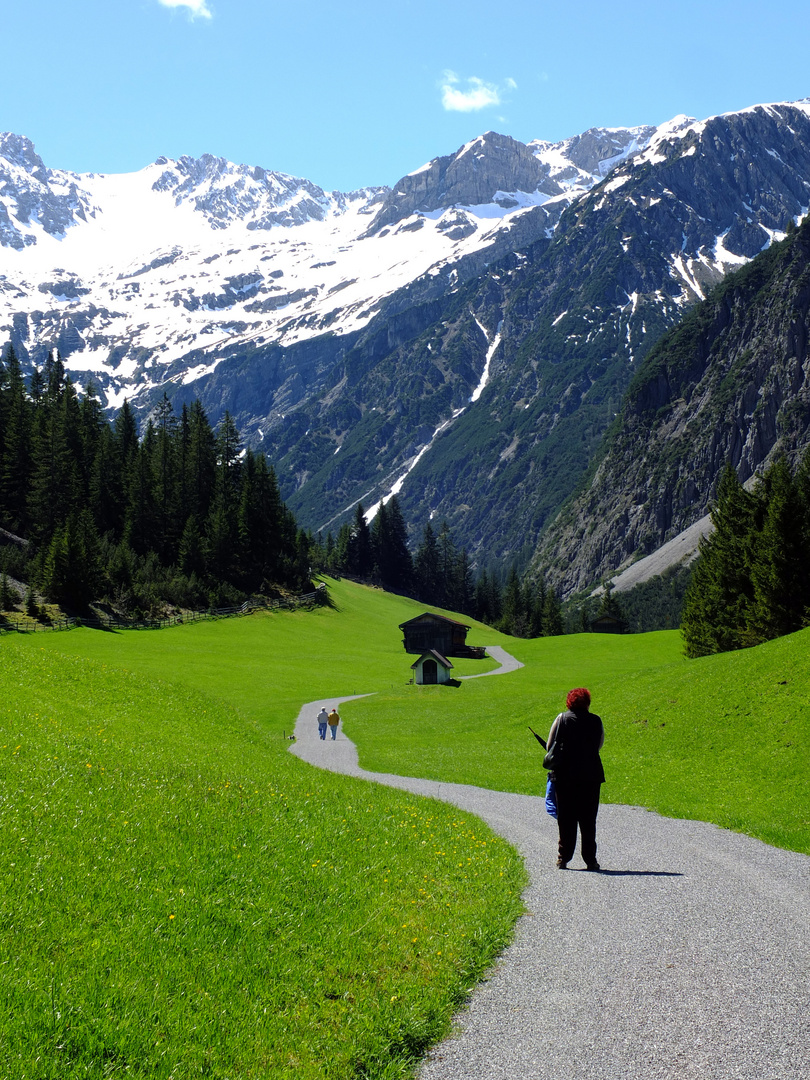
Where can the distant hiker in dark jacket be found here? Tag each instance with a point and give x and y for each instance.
(578, 735)
(334, 720)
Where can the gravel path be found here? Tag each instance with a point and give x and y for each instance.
(689, 956)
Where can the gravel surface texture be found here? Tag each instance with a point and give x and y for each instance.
(687, 956)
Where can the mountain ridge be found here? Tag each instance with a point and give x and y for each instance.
(469, 354)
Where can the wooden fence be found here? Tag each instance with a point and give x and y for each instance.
(25, 625)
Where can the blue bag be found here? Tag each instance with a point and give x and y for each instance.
(551, 798)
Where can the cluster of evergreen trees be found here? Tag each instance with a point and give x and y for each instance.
(182, 515)
(178, 515)
(751, 582)
(438, 573)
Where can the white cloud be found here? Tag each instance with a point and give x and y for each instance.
(195, 7)
(472, 94)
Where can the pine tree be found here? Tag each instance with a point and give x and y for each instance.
(513, 618)
(534, 601)
(610, 604)
(200, 463)
(389, 545)
(106, 489)
(552, 614)
(126, 434)
(71, 573)
(164, 468)
(141, 511)
(427, 568)
(447, 565)
(359, 556)
(55, 488)
(221, 529)
(778, 560)
(463, 590)
(399, 557)
(8, 597)
(717, 604)
(16, 420)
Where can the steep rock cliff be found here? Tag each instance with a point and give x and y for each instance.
(731, 384)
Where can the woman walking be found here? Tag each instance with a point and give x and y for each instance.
(574, 742)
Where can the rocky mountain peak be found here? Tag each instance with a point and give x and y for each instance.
(18, 150)
(33, 197)
(223, 192)
(476, 174)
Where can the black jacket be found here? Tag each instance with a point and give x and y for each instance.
(579, 736)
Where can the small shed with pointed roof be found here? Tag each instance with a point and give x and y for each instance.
(431, 669)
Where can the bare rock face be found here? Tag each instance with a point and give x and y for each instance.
(481, 172)
(730, 385)
(31, 194)
(224, 192)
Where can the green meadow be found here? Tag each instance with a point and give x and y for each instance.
(182, 897)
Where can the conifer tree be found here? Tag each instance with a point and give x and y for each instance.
(222, 523)
(427, 568)
(8, 597)
(463, 590)
(778, 560)
(15, 443)
(71, 571)
(165, 472)
(399, 556)
(389, 543)
(717, 605)
(534, 600)
(106, 490)
(359, 555)
(141, 512)
(552, 614)
(513, 619)
(55, 488)
(447, 565)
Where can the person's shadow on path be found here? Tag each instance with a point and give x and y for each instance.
(629, 873)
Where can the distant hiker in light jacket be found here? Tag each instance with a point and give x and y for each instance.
(323, 719)
(578, 778)
(334, 720)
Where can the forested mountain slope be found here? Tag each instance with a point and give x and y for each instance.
(465, 338)
(730, 385)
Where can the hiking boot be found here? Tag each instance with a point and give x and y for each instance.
(562, 865)
(593, 866)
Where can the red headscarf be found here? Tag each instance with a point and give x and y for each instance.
(578, 699)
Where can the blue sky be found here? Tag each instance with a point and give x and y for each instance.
(356, 93)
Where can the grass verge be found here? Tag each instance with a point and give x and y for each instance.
(724, 739)
(184, 898)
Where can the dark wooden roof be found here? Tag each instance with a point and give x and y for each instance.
(608, 623)
(430, 616)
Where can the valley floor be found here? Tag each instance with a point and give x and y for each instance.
(688, 956)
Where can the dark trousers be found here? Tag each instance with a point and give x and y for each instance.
(577, 805)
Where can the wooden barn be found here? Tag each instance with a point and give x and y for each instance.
(608, 624)
(429, 632)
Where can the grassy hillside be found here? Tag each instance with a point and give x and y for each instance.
(183, 898)
(186, 898)
(722, 739)
(268, 664)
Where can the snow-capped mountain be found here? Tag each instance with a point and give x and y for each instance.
(128, 274)
(463, 338)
